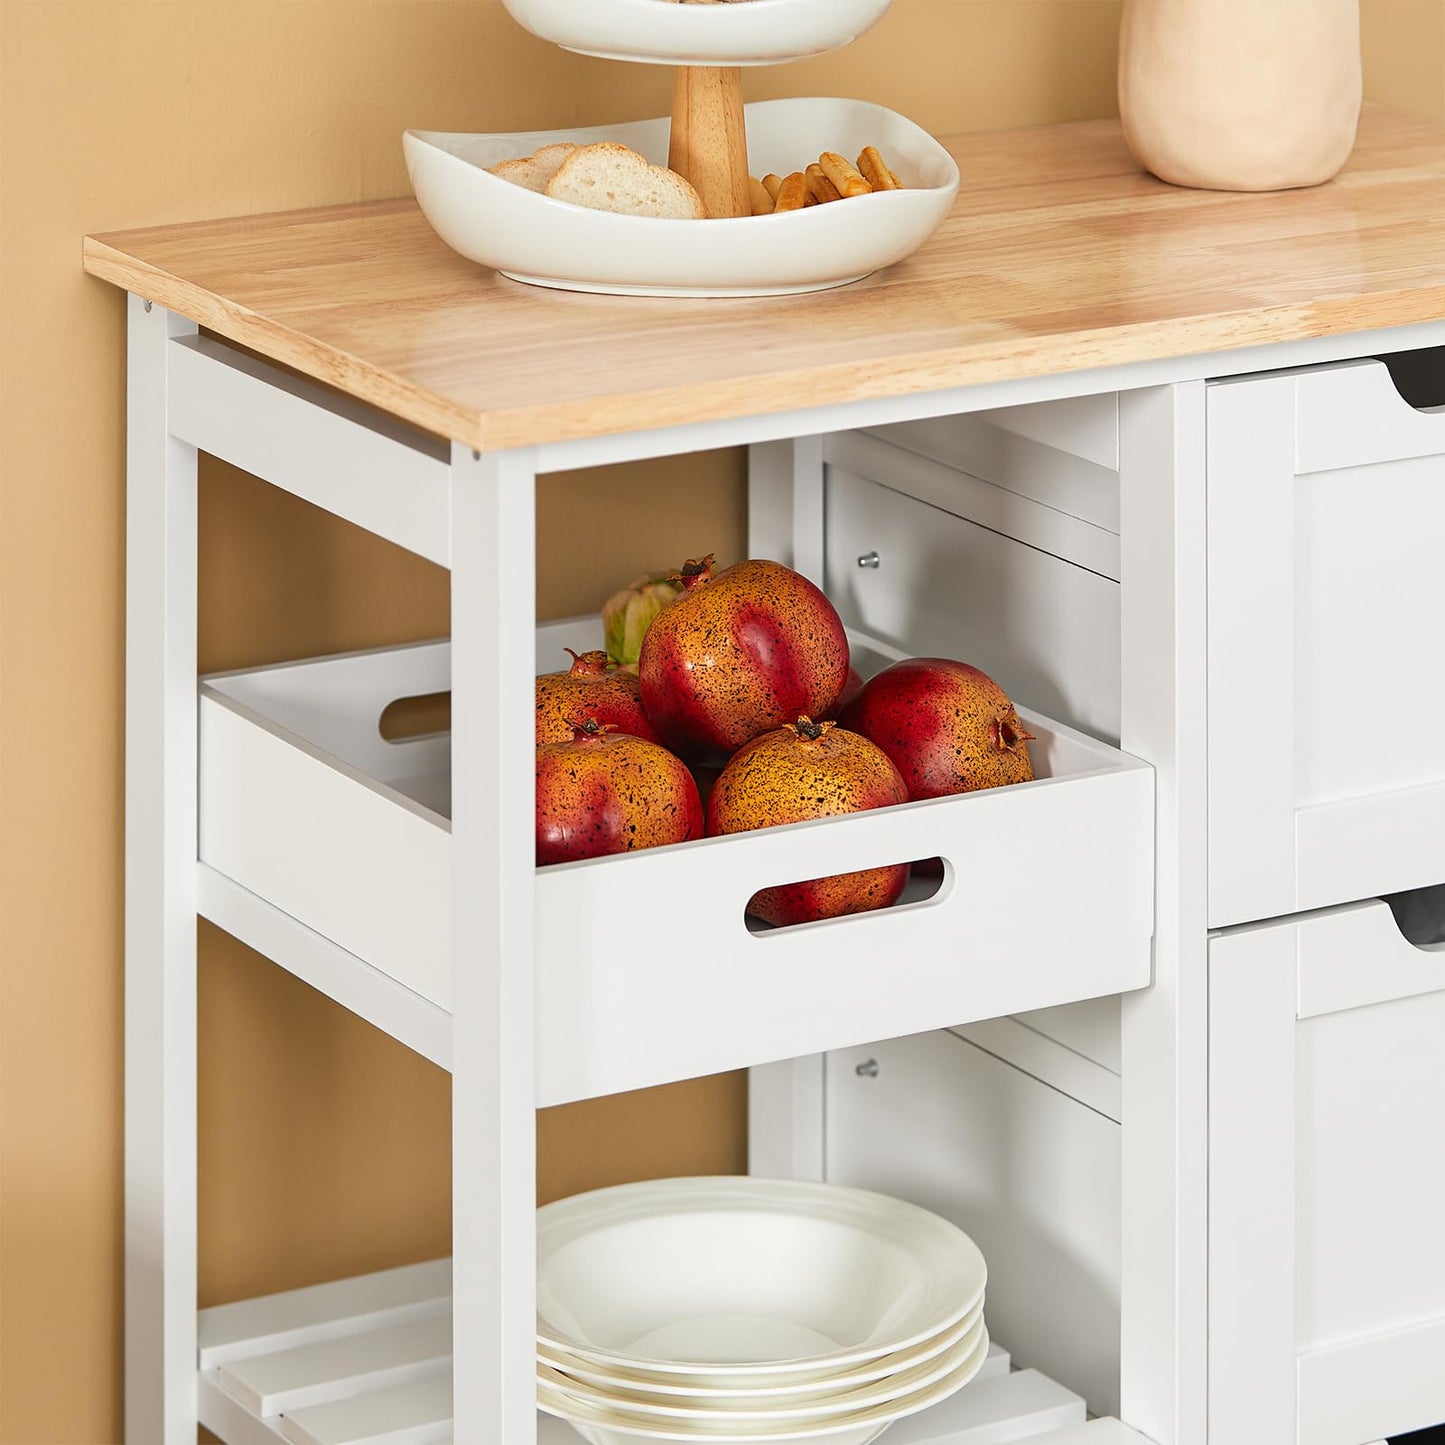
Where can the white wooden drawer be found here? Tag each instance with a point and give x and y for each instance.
(1326, 603)
(1326, 1181)
(647, 971)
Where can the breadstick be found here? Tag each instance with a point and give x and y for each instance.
(842, 174)
(793, 193)
(821, 187)
(874, 170)
(772, 184)
(758, 197)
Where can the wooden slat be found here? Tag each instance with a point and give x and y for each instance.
(270, 1323)
(1059, 256)
(336, 1369)
(404, 1415)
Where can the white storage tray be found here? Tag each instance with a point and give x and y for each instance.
(533, 238)
(646, 969)
(760, 32)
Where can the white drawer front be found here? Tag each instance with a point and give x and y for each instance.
(1327, 1175)
(1326, 595)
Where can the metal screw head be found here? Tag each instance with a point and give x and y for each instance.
(148, 307)
(868, 1069)
(870, 559)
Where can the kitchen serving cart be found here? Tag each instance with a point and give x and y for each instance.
(1171, 464)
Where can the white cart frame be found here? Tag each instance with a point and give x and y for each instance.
(475, 514)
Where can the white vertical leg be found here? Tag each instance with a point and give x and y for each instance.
(493, 1073)
(160, 903)
(785, 504)
(786, 1120)
(1165, 1149)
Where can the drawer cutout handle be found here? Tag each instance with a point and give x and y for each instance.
(409, 718)
(930, 881)
(1420, 917)
(1418, 376)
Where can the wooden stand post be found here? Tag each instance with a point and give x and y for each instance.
(709, 138)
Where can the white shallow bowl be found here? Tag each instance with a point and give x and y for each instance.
(751, 32)
(741, 1388)
(743, 1276)
(848, 1400)
(618, 1427)
(531, 237)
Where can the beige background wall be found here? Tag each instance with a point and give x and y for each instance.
(324, 1146)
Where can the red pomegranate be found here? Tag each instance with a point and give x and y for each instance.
(608, 792)
(809, 770)
(589, 689)
(740, 652)
(851, 689)
(949, 727)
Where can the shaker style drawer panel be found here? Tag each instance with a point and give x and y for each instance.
(1326, 586)
(1326, 1176)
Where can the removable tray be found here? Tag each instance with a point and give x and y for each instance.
(646, 968)
(531, 237)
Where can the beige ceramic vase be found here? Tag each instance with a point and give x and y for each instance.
(1240, 95)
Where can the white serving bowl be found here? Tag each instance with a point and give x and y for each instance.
(748, 1277)
(620, 1427)
(757, 32)
(531, 237)
(738, 1387)
(848, 1399)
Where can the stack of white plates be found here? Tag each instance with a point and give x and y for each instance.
(751, 1310)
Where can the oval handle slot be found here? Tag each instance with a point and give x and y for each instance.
(782, 908)
(416, 717)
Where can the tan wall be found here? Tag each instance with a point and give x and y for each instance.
(324, 1146)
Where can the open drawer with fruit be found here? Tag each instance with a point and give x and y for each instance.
(921, 855)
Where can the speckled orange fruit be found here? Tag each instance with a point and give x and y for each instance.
(742, 651)
(949, 727)
(809, 770)
(589, 689)
(607, 792)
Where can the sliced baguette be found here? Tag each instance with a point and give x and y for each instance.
(610, 177)
(535, 171)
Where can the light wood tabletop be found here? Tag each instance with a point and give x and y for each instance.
(1059, 256)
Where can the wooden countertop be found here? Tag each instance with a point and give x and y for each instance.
(1060, 255)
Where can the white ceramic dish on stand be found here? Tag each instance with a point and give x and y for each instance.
(533, 238)
(617, 1427)
(734, 1388)
(758, 32)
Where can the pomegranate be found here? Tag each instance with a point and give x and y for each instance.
(851, 689)
(810, 770)
(738, 653)
(589, 689)
(949, 727)
(607, 792)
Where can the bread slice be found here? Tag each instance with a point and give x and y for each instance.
(535, 171)
(610, 177)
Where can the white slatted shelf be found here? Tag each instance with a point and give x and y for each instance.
(337, 1364)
